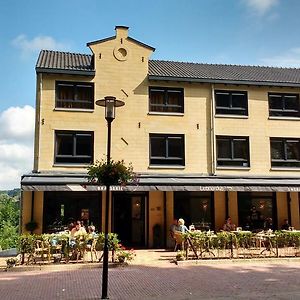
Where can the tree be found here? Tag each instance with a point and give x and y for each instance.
(9, 221)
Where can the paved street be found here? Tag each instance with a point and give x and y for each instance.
(158, 280)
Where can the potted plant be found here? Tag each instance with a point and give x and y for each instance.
(180, 255)
(125, 255)
(11, 262)
(112, 173)
(31, 226)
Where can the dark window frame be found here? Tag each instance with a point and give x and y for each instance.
(284, 161)
(284, 111)
(58, 158)
(241, 110)
(165, 160)
(235, 161)
(72, 103)
(166, 106)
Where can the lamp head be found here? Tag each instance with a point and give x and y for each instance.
(110, 102)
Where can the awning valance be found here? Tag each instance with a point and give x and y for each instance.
(163, 182)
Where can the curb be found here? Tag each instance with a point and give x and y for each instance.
(60, 267)
(237, 261)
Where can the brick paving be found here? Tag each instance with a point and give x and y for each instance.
(152, 276)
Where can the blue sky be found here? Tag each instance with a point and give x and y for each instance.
(251, 32)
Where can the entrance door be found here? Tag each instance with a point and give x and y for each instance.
(129, 218)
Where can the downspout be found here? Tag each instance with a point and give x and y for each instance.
(289, 199)
(226, 204)
(38, 122)
(212, 131)
(32, 207)
(21, 212)
(165, 220)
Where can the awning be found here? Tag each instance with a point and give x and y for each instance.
(162, 182)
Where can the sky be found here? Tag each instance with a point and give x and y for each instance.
(244, 32)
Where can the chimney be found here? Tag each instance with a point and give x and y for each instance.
(121, 32)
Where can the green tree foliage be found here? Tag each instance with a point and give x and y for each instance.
(9, 221)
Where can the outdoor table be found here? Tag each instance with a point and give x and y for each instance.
(209, 236)
(266, 237)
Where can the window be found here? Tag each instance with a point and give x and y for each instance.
(264, 206)
(233, 151)
(284, 105)
(231, 103)
(166, 100)
(285, 152)
(167, 149)
(74, 95)
(195, 208)
(74, 147)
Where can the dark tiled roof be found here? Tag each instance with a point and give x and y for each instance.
(60, 62)
(223, 73)
(77, 63)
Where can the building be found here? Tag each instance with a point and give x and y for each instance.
(207, 141)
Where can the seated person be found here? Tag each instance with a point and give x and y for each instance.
(285, 225)
(181, 226)
(77, 230)
(248, 224)
(268, 225)
(228, 225)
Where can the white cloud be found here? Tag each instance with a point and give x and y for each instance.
(261, 7)
(291, 58)
(34, 45)
(16, 145)
(17, 123)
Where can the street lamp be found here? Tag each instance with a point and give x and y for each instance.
(110, 103)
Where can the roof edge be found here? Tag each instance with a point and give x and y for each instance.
(113, 37)
(64, 71)
(140, 43)
(226, 81)
(101, 41)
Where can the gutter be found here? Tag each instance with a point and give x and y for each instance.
(66, 71)
(223, 81)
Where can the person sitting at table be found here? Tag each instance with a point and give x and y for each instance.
(255, 217)
(228, 225)
(248, 224)
(77, 230)
(174, 227)
(268, 224)
(181, 226)
(285, 225)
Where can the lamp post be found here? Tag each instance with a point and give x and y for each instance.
(110, 103)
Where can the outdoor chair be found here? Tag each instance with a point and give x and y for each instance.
(42, 249)
(179, 242)
(91, 247)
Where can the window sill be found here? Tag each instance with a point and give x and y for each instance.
(284, 118)
(233, 168)
(284, 169)
(231, 116)
(165, 167)
(165, 114)
(71, 165)
(74, 109)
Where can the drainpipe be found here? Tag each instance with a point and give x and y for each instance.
(226, 204)
(212, 131)
(165, 220)
(32, 206)
(289, 199)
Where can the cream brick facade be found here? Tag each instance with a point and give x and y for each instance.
(121, 70)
